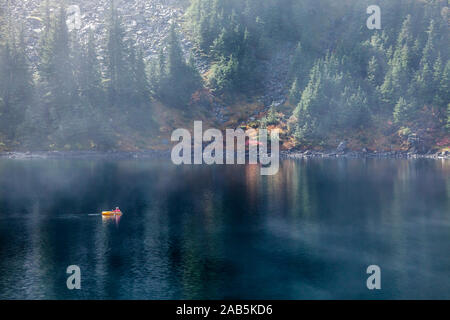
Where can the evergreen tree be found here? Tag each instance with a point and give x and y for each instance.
(178, 80)
(448, 118)
(397, 78)
(403, 112)
(175, 59)
(16, 85)
(405, 36)
(56, 69)
(90, 73)
(429, 52)
(444, 86)
(295, 92)
(141, 78)
(436, 82)
(45, 46)
(223, 74)
(116, 68)
(299, 67)
(156, 73)
(373, 72)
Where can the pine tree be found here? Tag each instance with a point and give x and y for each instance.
(55, 63)
(299, 66)
(22, 72)
(423, 84)
(45, 46)
(61, 82)
(6, 62)
(16, 85)
(373, 72)
(90, 73)
(116, 68)
(6, 75)
(405, 36)
(222, 77)
(436, 82)
(354, 112)
(312, 107)
(429, 52)
(444, 86)
(397, 78)
(156, 73)
(219, 48)
(175, 59)
(403, 112)
(295, 93)
(416, 55)
(448, 118)
(178, 80)
(140, 79)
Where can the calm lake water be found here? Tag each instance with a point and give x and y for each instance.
(200, 232)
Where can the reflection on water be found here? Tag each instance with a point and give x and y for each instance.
(111, 219)
(194, 232)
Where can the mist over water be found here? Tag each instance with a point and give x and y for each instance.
(211, 232)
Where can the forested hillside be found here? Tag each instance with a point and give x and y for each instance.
(309, 67)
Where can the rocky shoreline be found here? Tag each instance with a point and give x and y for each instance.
(416, 150)
(362, 154)
(116, 155)
(165, 154)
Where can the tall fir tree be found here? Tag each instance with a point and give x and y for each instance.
(16, 85)
(116, 68)
(179, 80)
(90, 80)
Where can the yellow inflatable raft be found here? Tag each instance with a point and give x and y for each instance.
(111, 213)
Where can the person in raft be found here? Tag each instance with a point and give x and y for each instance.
(117, 210)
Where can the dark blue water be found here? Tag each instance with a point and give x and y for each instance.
(225, 232)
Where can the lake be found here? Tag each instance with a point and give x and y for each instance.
(225, 232)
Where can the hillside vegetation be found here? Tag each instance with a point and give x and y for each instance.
(309, 67)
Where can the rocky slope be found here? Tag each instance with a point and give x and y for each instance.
(148, 21)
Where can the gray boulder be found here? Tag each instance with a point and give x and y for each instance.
(342, 147)
(416, 144)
